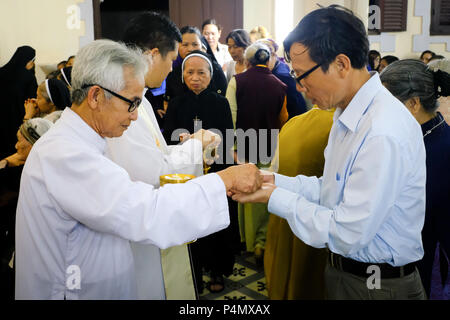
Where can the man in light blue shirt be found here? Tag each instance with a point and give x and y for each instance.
(368, 208)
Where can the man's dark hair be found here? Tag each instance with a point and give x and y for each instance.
(328, 32)
(150, 30)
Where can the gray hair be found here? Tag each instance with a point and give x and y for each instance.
(409, 78)
(257, 53)
(443, 65)
(101, 62)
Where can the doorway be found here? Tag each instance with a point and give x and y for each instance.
(111, 17)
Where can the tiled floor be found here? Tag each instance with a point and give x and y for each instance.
(246, 283)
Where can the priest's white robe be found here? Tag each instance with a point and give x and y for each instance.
(78, 211)
(144, 154)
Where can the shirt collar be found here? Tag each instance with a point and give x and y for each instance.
(351, 116)
(83, 129)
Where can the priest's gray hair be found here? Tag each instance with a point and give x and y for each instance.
(101, 62)
(257, 53)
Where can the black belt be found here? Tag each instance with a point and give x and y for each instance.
(360, 269)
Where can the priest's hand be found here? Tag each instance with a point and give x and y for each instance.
(244, 178)
(208, 138)
(261, 195)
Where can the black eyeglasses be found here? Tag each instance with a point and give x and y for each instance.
(133, 103)
(304, 75)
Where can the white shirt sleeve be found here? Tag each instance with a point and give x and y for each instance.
(93, 190)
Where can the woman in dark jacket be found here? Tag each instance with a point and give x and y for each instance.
(17, 84)
(296, 104)
(201, 107)
(192, 40)
(418, 87)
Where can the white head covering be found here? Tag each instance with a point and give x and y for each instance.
(65, 78)
(196, 55)
(48, 91)
(34, 128)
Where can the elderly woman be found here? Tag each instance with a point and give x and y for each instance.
(191, 41)
(237, 40)
(258, 102)
(296, 104)
(10, 172)
(201, 106)
(52, 95)
(418, 87)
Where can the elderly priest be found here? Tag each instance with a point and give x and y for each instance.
(78, 211)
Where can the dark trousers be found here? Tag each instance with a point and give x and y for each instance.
(342, 285)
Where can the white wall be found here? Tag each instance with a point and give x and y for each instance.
(47, 26)
(259, 13)
(408, 44)
(411, 43)
(57, 33)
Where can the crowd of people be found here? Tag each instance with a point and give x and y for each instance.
(318, 195)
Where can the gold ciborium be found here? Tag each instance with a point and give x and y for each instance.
(175, 178)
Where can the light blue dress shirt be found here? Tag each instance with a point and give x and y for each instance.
(369, 205)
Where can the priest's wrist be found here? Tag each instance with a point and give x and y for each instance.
(226, 178)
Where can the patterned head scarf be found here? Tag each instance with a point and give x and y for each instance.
(34, 128)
